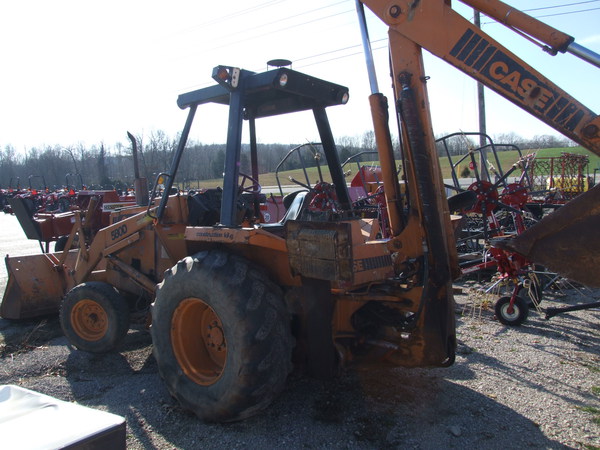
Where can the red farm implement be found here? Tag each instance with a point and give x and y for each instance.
(557, 179)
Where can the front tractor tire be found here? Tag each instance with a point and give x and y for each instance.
(221, 336)
(94, 317)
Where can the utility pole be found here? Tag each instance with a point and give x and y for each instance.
(481, 104)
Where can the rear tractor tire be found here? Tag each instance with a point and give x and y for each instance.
(221, 336)
(94, 317)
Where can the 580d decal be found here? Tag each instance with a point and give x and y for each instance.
(118, 232)
(477, 53)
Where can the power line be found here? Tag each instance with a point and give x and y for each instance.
(339, 50)
(561, 6)
(332, 52)
(554, 7)
(567, 12)
(242, 12)
(231, 41)
(256, 8)
(360, 52)
(285, 28)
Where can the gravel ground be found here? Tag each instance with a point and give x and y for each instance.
(536, 386)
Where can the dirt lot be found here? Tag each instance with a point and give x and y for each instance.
(534, 386)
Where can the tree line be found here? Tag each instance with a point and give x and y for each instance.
(104, 166)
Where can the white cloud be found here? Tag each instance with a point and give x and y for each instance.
(590, 40)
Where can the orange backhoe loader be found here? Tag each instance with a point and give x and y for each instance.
(234, 293)
(236, 300)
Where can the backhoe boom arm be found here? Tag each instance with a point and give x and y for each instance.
(435, 26)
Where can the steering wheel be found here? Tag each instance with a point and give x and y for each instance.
(253, 188)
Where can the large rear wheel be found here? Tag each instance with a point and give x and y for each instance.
(221, 336)
(94, 317)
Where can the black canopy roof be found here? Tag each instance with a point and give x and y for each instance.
(266, 95)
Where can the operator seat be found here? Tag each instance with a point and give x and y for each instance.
(293, 202)
(292, 212)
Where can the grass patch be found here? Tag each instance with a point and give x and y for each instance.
(507, 159)
(592, 410)
(593, 369)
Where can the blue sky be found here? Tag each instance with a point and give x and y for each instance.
(80, 71)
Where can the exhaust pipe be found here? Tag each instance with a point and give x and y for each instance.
(140, 185)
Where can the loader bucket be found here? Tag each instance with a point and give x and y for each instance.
(566, 241)
(36, 285)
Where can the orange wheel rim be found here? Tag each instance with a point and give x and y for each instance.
(198, 341)
(89, 320)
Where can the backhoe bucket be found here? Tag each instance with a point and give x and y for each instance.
(36, 285)
(566, 241)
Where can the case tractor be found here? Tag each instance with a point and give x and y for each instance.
(236, 301)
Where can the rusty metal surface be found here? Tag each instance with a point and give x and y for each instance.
(35, 287)
(320, 250)
(566, 241)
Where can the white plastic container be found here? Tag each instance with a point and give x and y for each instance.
(30, 420)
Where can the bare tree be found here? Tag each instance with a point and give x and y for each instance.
(368, 140)
(71, 153)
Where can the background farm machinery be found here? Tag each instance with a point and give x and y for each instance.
(555, 180)
(37, 196)
(48, 216)
(505, 204)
